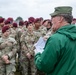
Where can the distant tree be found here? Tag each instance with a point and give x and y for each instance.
(19, 19)
(1, 17)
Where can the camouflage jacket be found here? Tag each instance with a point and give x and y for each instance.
(27, 41)
(8, 47)
(42, 30)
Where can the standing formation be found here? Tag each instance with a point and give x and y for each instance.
(18, 40)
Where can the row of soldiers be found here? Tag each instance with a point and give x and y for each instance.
(17, 44)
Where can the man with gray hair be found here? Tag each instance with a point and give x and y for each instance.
(59, 55)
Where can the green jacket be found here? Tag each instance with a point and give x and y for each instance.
(59, 55)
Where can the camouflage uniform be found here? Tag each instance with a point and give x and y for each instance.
(24, 27)
(27, 46)
(13, 34)
(42, 32)
(2, 67)
(19, 31)
(8, 48)
(0, 32)
(48, 34)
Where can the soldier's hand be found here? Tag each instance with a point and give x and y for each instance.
(5, 57)
(28, 55)
(45, 37)
(7, 61)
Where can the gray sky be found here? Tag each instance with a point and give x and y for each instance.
(35, 8)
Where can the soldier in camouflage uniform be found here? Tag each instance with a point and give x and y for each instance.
(27, 50)
(7, 53)
(39, 28)
(11, 20)
(13, 34)
(7, 23)
(13, 30)
(1, 25)
(42, 32)
(24, 26)
(47, 23)
(20, 31)
(31, 19)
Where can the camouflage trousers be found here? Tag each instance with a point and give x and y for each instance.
(7, 69)
(10, 69)
(28, 67)
(2, 69)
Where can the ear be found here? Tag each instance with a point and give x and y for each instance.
(61, 19)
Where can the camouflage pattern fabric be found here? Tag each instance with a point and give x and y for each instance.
(27, 46)
(8, 47)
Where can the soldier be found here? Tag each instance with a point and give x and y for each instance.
(20, 30)
(48, 24)
(13, 34)
(10, 19)
(42, 31)
(24, 26)
(1, 25)
(39, 28)
(31, 19)
(74, 21)
(8, 23)
(60, 48)
(7, 52)
(41, 19)
(27, 50)
(14, 31)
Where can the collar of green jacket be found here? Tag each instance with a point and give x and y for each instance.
(68, 30)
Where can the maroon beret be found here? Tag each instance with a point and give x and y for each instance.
(25, 22)
(7, 22)
(11, 19)
(41, 18)
(15, 24)
(21, 23)
(31, 19)
(1, 20)
(37, 20)
(28, 23)
(5, 28)
(45, 21)
(74, 19)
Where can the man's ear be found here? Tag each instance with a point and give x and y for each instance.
(61, 19)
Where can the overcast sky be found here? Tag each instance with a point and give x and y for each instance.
(35, 8)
